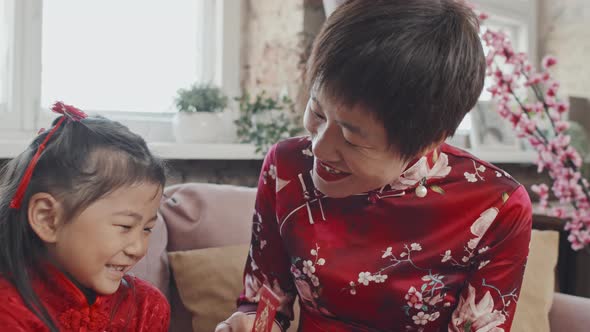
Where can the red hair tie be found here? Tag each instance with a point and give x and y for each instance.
(69, 112)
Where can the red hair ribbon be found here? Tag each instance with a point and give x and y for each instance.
(68, 112)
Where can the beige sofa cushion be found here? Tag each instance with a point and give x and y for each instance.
(536, 295)
(209, 281)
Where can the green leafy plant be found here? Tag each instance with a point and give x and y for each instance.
(200, 98)
(264, 120)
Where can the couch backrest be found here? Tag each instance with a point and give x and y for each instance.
(200, 215)
(194, 216)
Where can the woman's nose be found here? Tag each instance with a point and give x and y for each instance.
(324, 145)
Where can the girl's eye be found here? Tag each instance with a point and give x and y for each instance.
(125, 227)
(148, 230)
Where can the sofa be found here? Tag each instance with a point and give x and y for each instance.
(200, 243)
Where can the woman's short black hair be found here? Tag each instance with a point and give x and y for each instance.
(418, 65)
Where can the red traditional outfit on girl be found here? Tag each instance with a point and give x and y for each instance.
(136, 306)
(389, 260)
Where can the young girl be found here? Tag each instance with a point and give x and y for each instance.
(76, 210)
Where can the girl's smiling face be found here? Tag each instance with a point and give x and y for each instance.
(107, 238)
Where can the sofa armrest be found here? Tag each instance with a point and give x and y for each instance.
(569, 313)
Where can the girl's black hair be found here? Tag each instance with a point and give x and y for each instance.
(82, 162)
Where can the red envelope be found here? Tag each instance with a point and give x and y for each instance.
(267, 309)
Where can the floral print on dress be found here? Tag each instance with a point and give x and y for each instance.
(307, 152)
(388, 257)
(423, 304)
(307, 282)
(475, 176)
(476, 316)
(272, 173)
(478, 229)
(421, 170)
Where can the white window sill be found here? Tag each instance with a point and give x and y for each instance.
(205, 151)
(166, 150)
(506, 157)
(218, 151)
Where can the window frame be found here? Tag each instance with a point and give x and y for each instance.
(24, 71)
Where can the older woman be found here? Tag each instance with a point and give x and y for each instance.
(372, 221)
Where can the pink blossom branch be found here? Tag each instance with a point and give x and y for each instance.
(555, 154)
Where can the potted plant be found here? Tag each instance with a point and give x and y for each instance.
(265, 120)
(201, 115)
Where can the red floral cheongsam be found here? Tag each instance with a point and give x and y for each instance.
(388, 260)
(136, 306)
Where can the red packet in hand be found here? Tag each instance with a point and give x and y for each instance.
(267, 309)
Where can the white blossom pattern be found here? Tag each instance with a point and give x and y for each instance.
(307, 282)
(423, 304)
(478, 229)
(475, 176)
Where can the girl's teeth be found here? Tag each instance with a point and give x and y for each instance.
(117, 268)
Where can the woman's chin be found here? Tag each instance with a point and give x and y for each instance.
(333, 189)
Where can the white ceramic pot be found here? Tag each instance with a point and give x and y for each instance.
(204, 127)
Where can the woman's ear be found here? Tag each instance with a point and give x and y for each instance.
(44, 214)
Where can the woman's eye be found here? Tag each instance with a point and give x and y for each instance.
(318, 115)
(348, 143)
(148, 229)
(125, 227)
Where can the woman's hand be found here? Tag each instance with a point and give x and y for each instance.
(241, 322)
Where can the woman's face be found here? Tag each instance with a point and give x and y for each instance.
(351, 151)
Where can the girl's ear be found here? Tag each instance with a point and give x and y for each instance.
(44, 214)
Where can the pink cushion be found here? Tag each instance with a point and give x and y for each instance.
(200, 215)
(569, 313)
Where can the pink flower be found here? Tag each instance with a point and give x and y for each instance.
(480, 315)
(548, 62)
(414, 298)
(562, 107)
(534, 80)
(304, 290)
(558, 212)
(542, 190)
(561, 126)
(295, 271)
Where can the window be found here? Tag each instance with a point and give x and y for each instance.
(17, 66)
(5, 30)
(113, 55)
(125, 59)
(516, 18)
